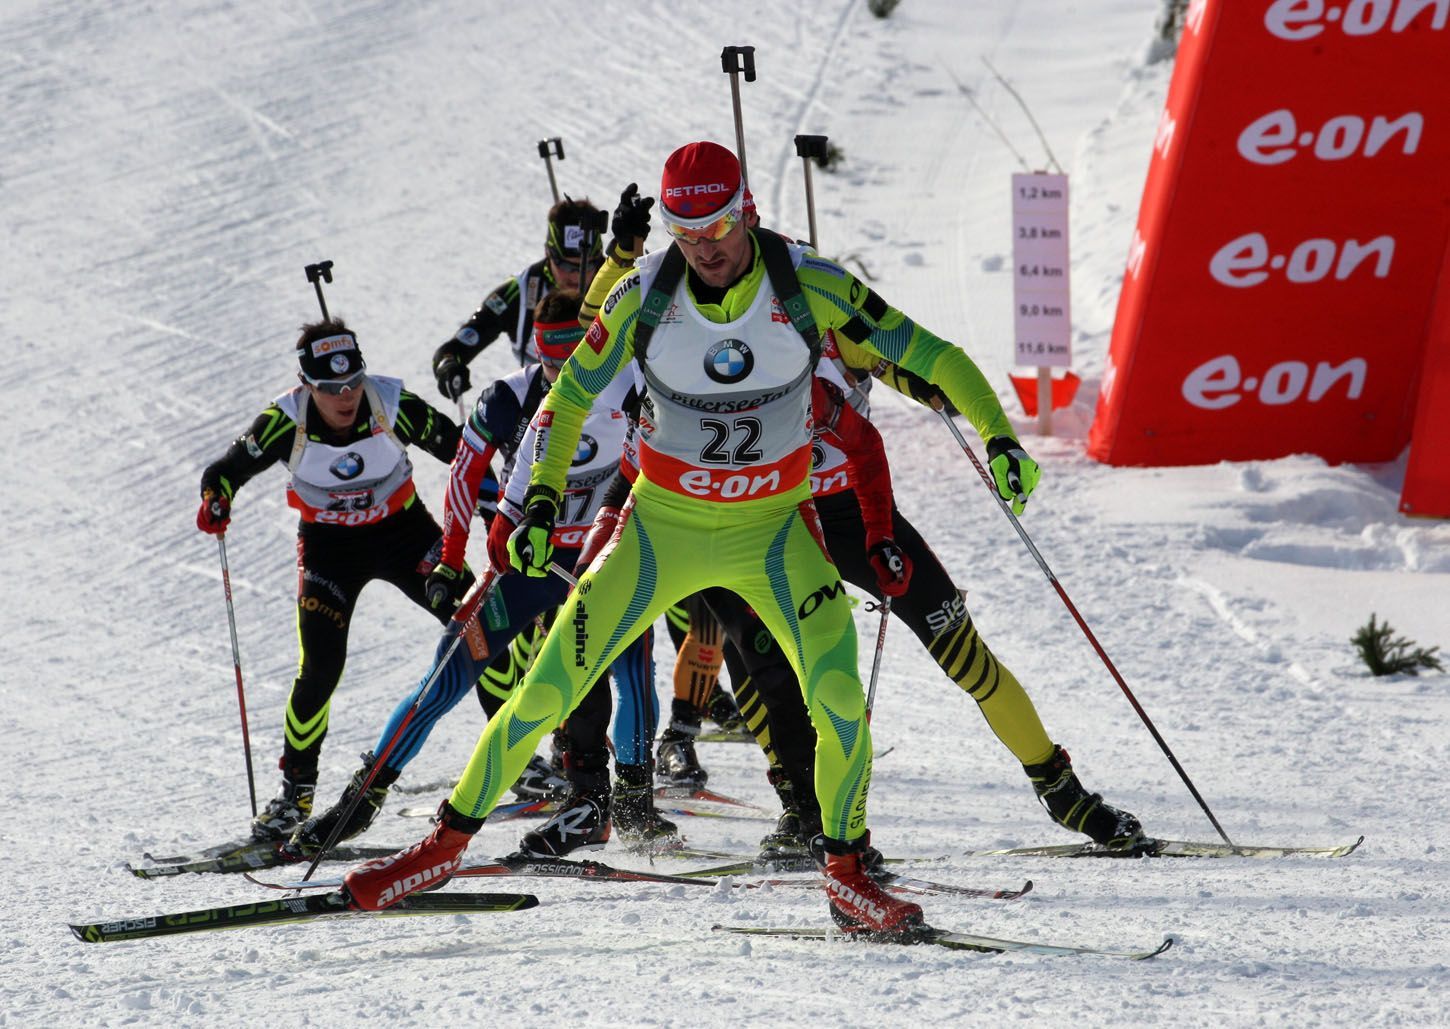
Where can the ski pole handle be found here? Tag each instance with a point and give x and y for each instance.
(549, 149)
(808, 148)
(317, 274)
(594, 226)
(735, 60)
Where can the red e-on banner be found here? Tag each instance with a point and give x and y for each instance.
(1283, 273)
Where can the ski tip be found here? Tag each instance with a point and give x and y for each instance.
(458, 903)
(153, 871)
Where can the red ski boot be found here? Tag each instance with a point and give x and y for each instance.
(426, 865)
(858, 903)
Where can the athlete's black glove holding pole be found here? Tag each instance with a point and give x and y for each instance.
(446, 586)
(531, 547)
(452, 375)
(630, 223)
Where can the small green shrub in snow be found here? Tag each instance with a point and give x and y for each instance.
(1387, 655)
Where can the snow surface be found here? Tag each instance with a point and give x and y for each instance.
(168, 168)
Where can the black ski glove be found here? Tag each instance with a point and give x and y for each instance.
(445, 586)
(630, 223)
(453, 379)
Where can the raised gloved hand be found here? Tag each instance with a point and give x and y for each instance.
(891, 565)
(531, 547)
(215, 512)
(452, 375)
(630, 223)
(444, 587)
(1014, 473)
(606, 520)
(499, 531)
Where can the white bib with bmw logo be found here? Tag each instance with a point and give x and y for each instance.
(362, 482)
(729, 403)
(596, 458)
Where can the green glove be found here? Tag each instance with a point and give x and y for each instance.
(530, 547)
(1015, 474)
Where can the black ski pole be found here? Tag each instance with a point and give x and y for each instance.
(1007, 510)
(884, 606)
(734, 61)
(549, 149)
(594, 227)
(221, 544)
(317, 274)
(808, 148)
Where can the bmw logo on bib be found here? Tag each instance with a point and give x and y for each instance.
(348, 466)
(585, 451)
(729, 361)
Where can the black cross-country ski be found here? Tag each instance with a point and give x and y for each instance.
(535, 808)
(519, 864)
(597, 871)
(892, 880)
(1170, 848)
(248, 856)
(294, 909)
(759, 866)
(952, 940)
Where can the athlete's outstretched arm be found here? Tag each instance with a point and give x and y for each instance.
(842, 302)
(268, 441)
(497, 314)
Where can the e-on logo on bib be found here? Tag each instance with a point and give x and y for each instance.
(348, 466)
(585, 451)
(729, 361)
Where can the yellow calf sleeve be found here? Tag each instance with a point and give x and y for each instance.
(752, 709)
(964, 656)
